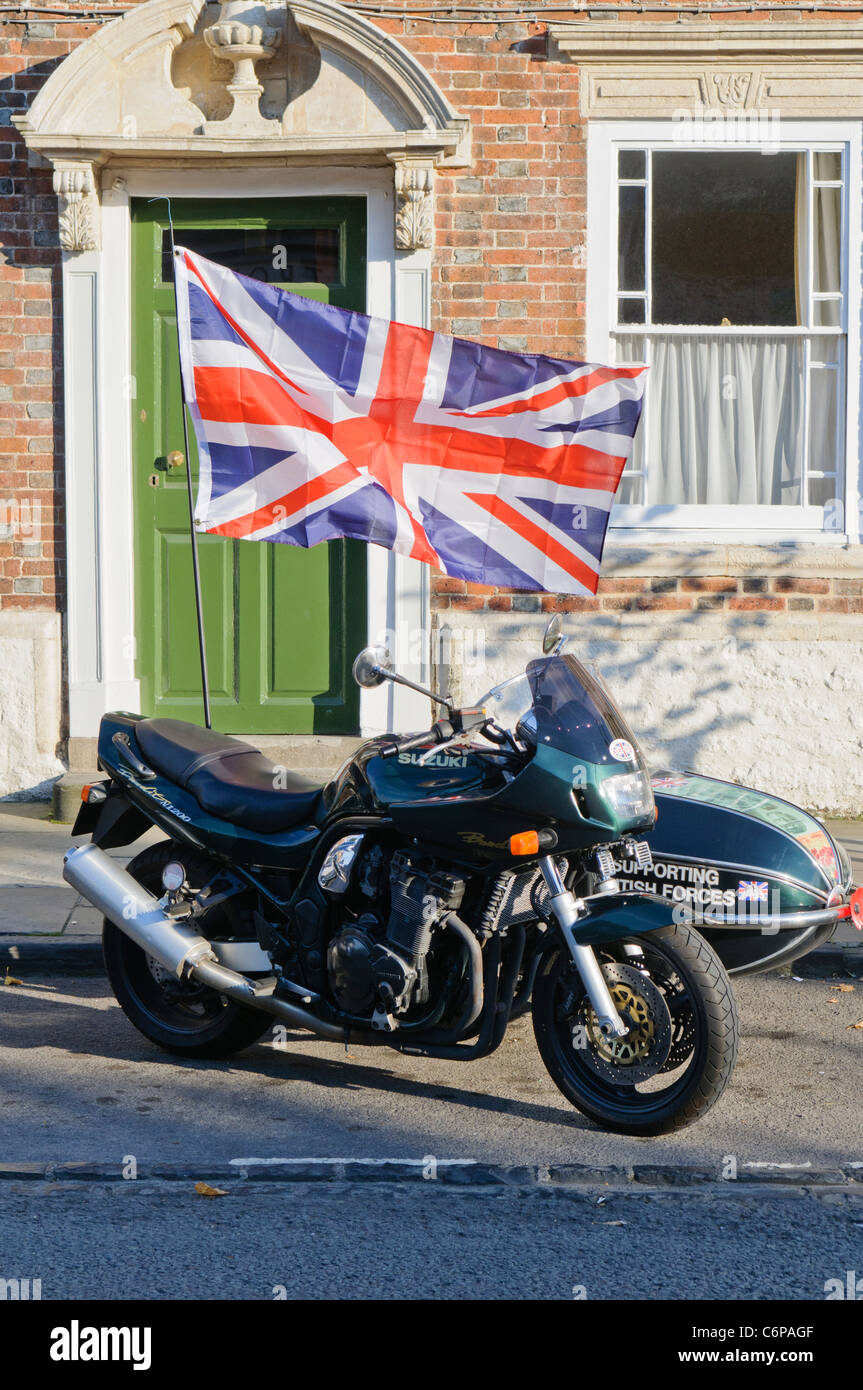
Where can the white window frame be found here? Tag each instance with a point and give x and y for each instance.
(752, 524)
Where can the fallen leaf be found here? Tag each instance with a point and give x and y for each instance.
(844, 989)
(204, 1189)
(10, 980)
(855, 1025)
(832, 1001)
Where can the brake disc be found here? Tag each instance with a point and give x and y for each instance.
(683, 1038)
(643, 1052)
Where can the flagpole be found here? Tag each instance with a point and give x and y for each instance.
(196, 569)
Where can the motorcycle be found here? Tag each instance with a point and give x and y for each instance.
(438, 887)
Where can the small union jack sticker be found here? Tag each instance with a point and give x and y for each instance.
(752, 890)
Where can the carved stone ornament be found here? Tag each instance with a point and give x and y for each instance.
(246, 32)
(732, 87)
(79, 207)
(414, 206)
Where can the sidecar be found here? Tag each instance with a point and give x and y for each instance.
(764, 881)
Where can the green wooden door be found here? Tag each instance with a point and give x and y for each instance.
(282, 624)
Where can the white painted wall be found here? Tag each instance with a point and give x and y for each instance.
(773, 705)
(29, 704)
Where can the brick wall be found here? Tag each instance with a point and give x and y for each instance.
(643, 594)
(508, 270)
(32, 572)
(509, 251)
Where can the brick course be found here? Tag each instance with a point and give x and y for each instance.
(639, 594)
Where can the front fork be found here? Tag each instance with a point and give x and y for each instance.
(564, 905)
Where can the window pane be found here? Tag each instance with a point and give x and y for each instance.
(822, 419)
(825, 351)
(286, 255)
(824, 492)
(630, 352)
(723, 230)
(630, 238)
(631, 491)
(826, 164)
(827, 313)
(826, 243)
(631, 310)
(725, 420)
(631, 164)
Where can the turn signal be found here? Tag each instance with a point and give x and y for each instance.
(526, 842)
(857, 908)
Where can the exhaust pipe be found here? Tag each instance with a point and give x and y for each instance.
(175, 945)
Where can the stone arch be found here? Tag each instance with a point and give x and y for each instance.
(178, 80)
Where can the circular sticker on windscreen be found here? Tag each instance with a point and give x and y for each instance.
(622, 750)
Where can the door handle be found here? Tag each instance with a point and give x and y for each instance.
(172, 460)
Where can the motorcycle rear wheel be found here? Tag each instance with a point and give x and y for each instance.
(703, 1044)
(188, 1020)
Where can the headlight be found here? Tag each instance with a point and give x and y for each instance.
(630, 795)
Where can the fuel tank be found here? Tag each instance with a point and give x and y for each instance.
(369, 783)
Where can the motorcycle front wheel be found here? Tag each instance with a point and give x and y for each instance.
(672, 990)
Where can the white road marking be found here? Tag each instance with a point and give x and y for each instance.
(333, 1162)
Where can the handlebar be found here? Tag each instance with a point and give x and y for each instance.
(403, 745)
(463, 721)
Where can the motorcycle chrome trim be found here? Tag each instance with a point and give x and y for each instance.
(607, 880)
(640, 851)
(565, 907)
(113, 892)
(782, 921)
(334, 875)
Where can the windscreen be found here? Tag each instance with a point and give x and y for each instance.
(572, 710)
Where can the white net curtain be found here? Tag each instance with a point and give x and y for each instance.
(726, 420)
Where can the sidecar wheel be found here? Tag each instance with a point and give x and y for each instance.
(681, 1053)
(187, 1019)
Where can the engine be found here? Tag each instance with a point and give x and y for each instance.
(381, 966)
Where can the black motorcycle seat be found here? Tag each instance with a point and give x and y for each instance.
(227, 777)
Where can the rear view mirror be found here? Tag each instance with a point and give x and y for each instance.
(372, 667)
(553, 635)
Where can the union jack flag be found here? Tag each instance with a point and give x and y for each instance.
(752, 890)
(313, 422)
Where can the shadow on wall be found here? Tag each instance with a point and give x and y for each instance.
(737, 701)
